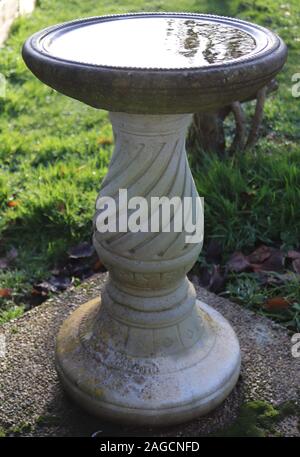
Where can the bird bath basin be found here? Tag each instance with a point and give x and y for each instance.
(148, 352)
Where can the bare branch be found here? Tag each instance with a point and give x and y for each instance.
(240, 129)
(257, 118)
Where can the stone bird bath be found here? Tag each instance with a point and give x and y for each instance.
(148, 352)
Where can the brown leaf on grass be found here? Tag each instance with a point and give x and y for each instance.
(276, 304)
(82, 250)
(238, 262)
(275, 279)
(13, 203)
(274, 262)
(39, 290)
(293, 255)
(60, 282)
(260, 254)
(296, 265)
(105, 141)
(54, 284)
(43, 288)
(37, 297)
(5, 292)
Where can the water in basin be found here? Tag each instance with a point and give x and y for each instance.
(151, 42)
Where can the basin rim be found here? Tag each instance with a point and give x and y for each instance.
(272, 40)
(156, 90)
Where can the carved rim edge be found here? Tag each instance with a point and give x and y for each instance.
(272, 40)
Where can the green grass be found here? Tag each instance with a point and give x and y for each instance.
(245, 289)
(54, 152)
(269, 177)
(253, 196)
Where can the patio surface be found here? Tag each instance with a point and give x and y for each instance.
(32, 402)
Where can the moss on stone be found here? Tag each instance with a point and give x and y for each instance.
(48, 419)
(20, 428)
(258, 418)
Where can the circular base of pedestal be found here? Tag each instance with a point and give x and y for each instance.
(149, 391)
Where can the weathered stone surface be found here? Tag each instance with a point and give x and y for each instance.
(158, 90)
(150, 354)
(30, 392)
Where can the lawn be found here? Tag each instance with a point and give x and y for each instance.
(54, 152)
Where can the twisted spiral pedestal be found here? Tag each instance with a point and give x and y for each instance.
(149, 353)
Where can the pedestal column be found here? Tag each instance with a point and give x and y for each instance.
(148, 352)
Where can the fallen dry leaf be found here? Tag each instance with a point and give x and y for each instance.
(104, 141)
(12, 203)
(5, 292)
(276, 304)
(43, 288)
(38, 290)
(60, 282)
(54, 284)
(37, 297)
(82, 250)
(293, 254)
(276, 279)
(274, 262)
(260, 254)
(238, 262)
